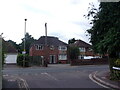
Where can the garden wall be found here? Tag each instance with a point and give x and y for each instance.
(94, 61)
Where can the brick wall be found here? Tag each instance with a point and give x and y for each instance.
(95, 61)
(55, 51)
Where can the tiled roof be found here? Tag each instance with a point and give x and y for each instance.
(9, 48)
(81, 43)
(50, 41)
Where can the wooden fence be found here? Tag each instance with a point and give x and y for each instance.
(35, 60)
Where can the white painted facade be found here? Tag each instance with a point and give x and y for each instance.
(11, 58)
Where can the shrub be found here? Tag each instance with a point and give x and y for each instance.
(115, 74)
(117, 63)
(21, 61)
(74, 53)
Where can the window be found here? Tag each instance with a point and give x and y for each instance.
(52, 47)
(81, 57)
(90, 49)
(63, 48)
(63, 57)
(39, 47)
(82, 49)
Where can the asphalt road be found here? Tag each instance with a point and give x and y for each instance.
(54, 76)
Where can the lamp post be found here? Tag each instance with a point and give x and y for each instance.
(1, 61)
(46, 47)
(24, 52)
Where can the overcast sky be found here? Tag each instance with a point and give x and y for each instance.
(64, 18)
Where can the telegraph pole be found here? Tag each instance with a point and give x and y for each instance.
(24, 52)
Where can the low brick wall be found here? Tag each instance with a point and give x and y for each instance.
(95, 61)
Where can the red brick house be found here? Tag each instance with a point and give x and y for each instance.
(86, 51)
(56, 50)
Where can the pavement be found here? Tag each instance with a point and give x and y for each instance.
(102, 78)
(99, 77)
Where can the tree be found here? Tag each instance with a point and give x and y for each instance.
(74, 52)
(28, 41)
(105, 32)
(71, 41)
(16, 46)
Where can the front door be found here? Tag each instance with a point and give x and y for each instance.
(52, 59)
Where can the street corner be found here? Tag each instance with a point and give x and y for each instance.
(101, 78)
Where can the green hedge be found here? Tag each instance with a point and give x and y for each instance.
(114, 74)
(117, 63)
(23, 60)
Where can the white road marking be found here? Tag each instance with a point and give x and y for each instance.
(90, 76)
(50, 76)
(21, 82)
(5, 75)
(114, 86)
(11, 80)
(25, 85)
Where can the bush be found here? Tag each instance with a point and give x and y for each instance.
(74, 53)
(115, 74)
(117, 63)
(21, 61)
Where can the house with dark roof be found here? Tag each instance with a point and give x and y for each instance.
(10, 53)
(51, 47)
(86, 51)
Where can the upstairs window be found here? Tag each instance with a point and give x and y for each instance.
(51, 47)
(82, 49)
(63, 48)
(90, 49)
(39, 47)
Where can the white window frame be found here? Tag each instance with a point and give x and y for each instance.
(62, 57)
(61, 48)
(90, 49)
(39, 47)
(81, 56)
(52, 47)
(82, 49)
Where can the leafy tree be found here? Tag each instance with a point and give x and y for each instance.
(105, 32)
(71, 41)
(74, 52)
(3, 51)
(28, 41)
(14, 45)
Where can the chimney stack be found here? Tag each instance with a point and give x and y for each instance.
(46, 34)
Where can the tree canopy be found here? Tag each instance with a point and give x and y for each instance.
(28, 41)
(74, 52)
(71, 41)
(105, 32)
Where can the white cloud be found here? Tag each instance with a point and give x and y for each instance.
(64, 17)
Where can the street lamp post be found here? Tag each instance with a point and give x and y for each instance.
(46, 52)
(24, 52)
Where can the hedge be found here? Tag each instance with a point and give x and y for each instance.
(23, 60)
